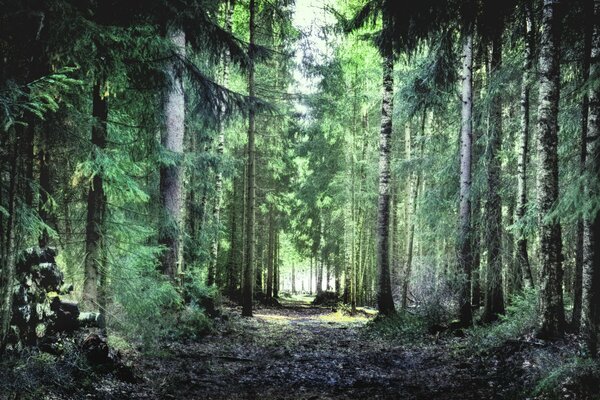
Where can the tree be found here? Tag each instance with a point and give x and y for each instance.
(96, 203)
(171, 190)
(465, 234)
(494, 296)
(522, 254)
(385, 302)
(248, 281)
(591, 251)
(551, 295)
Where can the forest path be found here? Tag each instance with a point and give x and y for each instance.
(304, 352)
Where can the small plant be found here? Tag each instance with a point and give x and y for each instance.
(580, 375)
(520, 319)
(401, 327)
(193, 322)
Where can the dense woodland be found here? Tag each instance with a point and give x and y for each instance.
(436, 161)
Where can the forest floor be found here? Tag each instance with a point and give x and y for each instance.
(301, 351)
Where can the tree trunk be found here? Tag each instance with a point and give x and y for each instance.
(94, 228)
(522, 256)
(591, 248)
(7, 271)
(276, 275)
(585, 70)
(293, 278)
(385, 302)
(45, 185)
(214, 248)
(247, 290)
(551, 295)
(494, 296)
(171, 189)
(270, 258)
(465, 253)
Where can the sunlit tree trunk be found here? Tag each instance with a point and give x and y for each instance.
(494, 296)
(551, 295)
(522, 255)
(214, 247)
(385, 301)
(413, 192)
(591, 248)
(96, 199)
(247, 291)
(270, 258)
(465, 253)
(171, 188)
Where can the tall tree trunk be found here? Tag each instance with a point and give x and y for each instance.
(232, 272)
(591, 248)
(551, 295)
(45, 185)
(585, 71)
(465, 253)
(247, 290)
(385, 301)
(94, 228)
(413, 193)
(7, 271)
(522, 256)
(276, 276)
(293, 278)
(270, 257)
(214, 248)
(171, 188)
(494, 296)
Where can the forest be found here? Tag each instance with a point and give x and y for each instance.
(299, 199)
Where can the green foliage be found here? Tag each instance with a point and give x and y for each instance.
(145, 303)
(402, 327)
(193, 322)
(574, 373)
(521, 318)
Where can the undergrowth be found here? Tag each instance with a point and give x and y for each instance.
(569, 377)
(521, 318)
(401, 327)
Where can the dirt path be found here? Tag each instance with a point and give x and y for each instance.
(302, 352)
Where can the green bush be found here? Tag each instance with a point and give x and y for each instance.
(580, 375)
(206, 297)
(193, 322)
(521, 318)
(145, 303)
(401, 327)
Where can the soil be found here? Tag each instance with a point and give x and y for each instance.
(300, 351)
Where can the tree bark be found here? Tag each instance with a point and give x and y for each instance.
(385, 302)
(551, 295)
(494, 295)
(7, 271)
(585, 71)
(45, 185)
(171, 188)
(591, 251)
(522, 255)
(465, 253)
(94, 228)
(214, 248)
(247, 290)
(270, 258)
